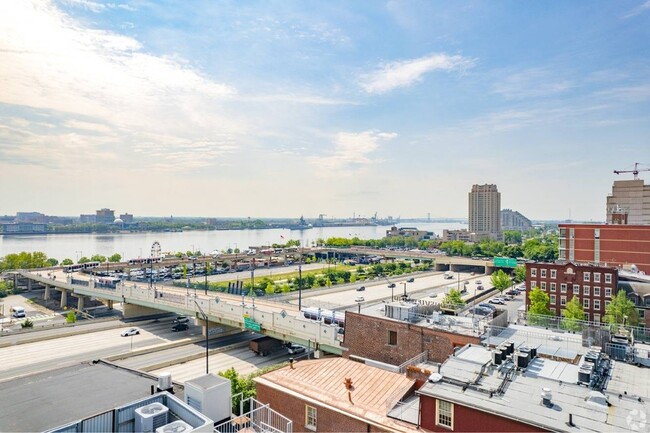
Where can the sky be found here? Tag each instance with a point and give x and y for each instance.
(288, 108)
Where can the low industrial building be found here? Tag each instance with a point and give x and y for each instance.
(409, 233)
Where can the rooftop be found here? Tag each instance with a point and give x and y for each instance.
(45, 400)
(470, 379)
(374, 391)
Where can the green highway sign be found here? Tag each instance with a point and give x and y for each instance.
(505, 262)
(252, 325)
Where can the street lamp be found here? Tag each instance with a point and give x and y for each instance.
(194, 273)
(207, 333)
(300, 283)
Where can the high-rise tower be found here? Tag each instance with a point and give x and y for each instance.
(485, 211)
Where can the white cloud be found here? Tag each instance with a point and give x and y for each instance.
(638, 10)
(406, 73)
(532, 83)
(97, 7)
(351, 151)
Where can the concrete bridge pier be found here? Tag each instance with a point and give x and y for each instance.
(455, 268)
(81, 300)
(108, 303)
(489, 270)
(440, 267)
(64, 297)
(46, 293)
(29, 284)
(133, 310)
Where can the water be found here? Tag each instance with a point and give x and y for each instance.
(131, 245)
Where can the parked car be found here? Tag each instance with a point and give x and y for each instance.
(180, 327)
(391, 285)
(500, 301)
(295, 349)
(410, 280)
(478, 282)
(488, 306)
(479, 287)
(361, 288)
(359, 299)
(130, 331)
(480, 311)
(512, 292)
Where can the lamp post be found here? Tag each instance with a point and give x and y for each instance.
(207, 266)
(194, 273)
(207, 333)
(300, 283)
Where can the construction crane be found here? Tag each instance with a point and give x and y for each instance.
(321, 215)
(635, 171)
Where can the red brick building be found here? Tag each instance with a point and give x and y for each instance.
(594, 285)
(395, 342)
(609, 245)
(315, 396)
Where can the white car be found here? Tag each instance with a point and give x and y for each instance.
(295, 349)
(130, 331)
(500, 301)
(359, 299)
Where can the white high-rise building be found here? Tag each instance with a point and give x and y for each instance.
(485, 211)
(631, 197)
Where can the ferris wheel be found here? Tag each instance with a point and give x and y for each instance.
(155, 250)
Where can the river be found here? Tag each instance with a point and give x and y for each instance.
(131, 245)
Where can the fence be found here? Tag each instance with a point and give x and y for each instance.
(417, 359)
(638, 333)
(260, 418)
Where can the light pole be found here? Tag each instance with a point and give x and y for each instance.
(194, 273)
(300, 283)
(207, 266)
(207, 333)
(78, 255)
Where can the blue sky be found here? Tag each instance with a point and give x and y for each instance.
(283, 108)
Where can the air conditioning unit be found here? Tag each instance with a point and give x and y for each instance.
(175, 427)
(148, 418)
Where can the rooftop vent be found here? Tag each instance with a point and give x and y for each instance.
(546, 397)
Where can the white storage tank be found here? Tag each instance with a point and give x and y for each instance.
(211, 395)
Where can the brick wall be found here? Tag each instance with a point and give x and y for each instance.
(294, 409)
(367, 337)
(469, 420)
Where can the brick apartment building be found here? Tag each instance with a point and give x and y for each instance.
(594, 285)
(395, 342)
(617, 245)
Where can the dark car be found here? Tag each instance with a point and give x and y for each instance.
(361, 288)
(512, 292)
(410, 280)
(180, 327)
(391, 285)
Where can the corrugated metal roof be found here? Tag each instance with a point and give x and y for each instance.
(374, 391)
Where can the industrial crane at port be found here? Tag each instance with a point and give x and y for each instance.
(635, 172)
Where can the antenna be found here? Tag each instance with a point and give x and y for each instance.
(635, 172)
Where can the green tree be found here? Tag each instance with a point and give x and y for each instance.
(453, 299)
(6, 288)
(573, 313)
(98, 258)
(621, 310)
(538, 307)
(52, 261)
(270, 288)
(512, 237)
(84, 260)
(308, 281)
(500, 280)
(115, 258)
(66, 262)
(27, 323)
(71, 317)
(520, 274)
(241, 388)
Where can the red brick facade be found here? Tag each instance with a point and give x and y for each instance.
(369, 337)
(466, 419)
(609, 245)
(595, 286)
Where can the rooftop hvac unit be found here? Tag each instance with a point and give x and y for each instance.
(165, 381)
(148, 418)
(175, 427)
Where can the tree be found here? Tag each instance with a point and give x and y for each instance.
(241, 388)
(453, 299)
(66, 262)
(27, 323)
(512, 237)
(115, 258)
(520, 274)
(500, 280)
(270, 288)
(573, 313)
(71, 317)
(621, 310)
(538, 307)
(98, 258)
(52, 261)
(6, 288)
(83, 260)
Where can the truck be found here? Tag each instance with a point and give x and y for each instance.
(265, 345)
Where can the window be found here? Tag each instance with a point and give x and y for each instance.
(542, 285)
(310, 417)
(562, 300)
(576, 289)
(596, 291)
(553, 300)
(533, 284)
(608, 292)
(586, 277)
(543, 272)
(553, 287)
(586, 290)
(607, 304)
(563, 287)
(392, 338)
(585, 304)
(596, 277)
(445, 414)
(608, 278)
(553, 273)
(596, 304)
(533, 272)
(597, 318)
